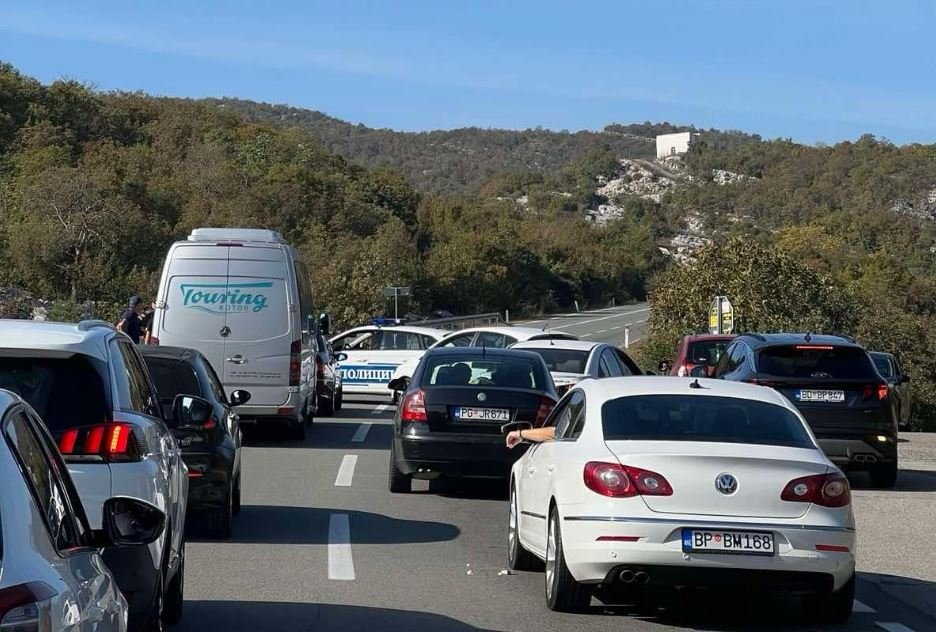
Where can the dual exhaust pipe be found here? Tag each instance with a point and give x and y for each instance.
(865, 458)
(627, 576)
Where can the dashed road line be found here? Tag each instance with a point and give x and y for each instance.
(340, 562)
(862, 608)
(361, 433)
(380, 409)
(595, 320)
(346, 471)
(892, 627)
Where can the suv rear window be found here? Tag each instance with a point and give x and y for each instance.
(815, 361)
(490, 371)
(707, 352)
(702, 418)
(66, 392)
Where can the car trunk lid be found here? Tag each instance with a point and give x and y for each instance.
(483, 409)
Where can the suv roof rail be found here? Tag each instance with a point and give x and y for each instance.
(88, 325)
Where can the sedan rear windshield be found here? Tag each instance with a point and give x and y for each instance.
(491, 371)
(815, 361)
(563, 360)
(702, 418)
(66, 392)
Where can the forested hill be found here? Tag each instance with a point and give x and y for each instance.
(460, 160)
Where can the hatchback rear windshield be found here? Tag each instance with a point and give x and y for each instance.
(491, 371)
(702, 418)
(884, 366)
(172, 377)
(66, 392)
(563, 360)
(707, 352)
(815, 361)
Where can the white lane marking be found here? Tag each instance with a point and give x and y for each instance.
(862, 607)
(346, 471)
(601, 331)
(340, 562)
(381, 409)
(361, 433)
(595, 320)
(893, 627)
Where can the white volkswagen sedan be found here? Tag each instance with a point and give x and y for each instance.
(661, 482)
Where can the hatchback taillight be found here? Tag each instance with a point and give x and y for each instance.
(413, 407)
(112, 442)
(826, 490)
(22, 607)
(623, 481)
(295, 363)
(546, 406)
(881, 391)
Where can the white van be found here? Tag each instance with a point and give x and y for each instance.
(243, 298)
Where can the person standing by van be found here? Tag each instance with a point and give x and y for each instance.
(130, 322)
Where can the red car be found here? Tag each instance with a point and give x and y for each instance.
(699, 351)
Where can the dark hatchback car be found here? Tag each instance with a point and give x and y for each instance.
(834, 384)
(449, 420)
(327, 378)
(891, 370)
(210, 441)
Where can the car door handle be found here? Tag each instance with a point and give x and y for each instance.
(550, 468)
(531, 470)
(238, 359)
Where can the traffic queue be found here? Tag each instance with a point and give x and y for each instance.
(620, 482)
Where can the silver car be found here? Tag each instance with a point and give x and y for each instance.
(52, 575)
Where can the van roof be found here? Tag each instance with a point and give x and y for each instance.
(236, 234)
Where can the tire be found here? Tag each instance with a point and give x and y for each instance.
(175, 593)
(339, 400)
(237, 495)
(831, 608)
(220, 520)
(884, 475)
(518, 558)
(398, 482)
(326, 406)
(563, 593)
(157, 615)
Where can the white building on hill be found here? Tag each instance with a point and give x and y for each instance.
(675, 144)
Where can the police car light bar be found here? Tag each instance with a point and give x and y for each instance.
(380, 321)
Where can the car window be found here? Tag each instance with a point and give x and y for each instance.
(815, 361)
(214, 383)
(611, 362)
(884, 366)
(389, 340)
(628, 366)
(563, 360)
(490, 371)
(356, 341)
(560, 417)
(492, 340)
(706, 418)
(462, 340)
(40, 475)
(706, 352)
(576, 417)
(172, 378)
(724, 362)
(139, 395)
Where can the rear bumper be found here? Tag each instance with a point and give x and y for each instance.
(850, 438)
(289, 409)
(660, 549)
(209, 478)
(455, 455)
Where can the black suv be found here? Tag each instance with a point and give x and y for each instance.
(834, 384)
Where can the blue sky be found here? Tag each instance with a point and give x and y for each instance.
(816, 71)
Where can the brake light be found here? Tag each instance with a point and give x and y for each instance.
(872, 390)
(545, 407)
(624, 481)
(295, 363)
(882, 391)
(21, 606)
(211, 424)
(413, 407)
(826, 490)
(111, 442)
(814, 348)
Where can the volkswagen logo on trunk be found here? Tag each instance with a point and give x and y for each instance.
(726, 484)
(482, 397)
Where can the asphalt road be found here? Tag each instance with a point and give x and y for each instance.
(322, 545)
(602, 325)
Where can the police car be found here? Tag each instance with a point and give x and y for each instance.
(368, 356)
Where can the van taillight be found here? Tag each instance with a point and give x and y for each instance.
(111, 442)
(295, 363)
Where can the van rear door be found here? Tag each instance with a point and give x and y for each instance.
(195, 310)
(259, 321)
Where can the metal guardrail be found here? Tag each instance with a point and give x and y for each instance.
(459, 322)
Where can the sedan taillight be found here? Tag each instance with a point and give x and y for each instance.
(413, 407)
(624, 481)
(826, 490)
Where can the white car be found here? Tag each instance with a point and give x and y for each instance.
(368, 356)
(671, 483)
(92, 390)
(52, 575)
(571, 361)
(496, 337)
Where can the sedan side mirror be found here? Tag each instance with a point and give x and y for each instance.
(189, 411)
(130, 522)
(341, 357)
(239, 398)
(516, 425)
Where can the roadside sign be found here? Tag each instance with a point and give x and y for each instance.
(721, 316)
(391, 292)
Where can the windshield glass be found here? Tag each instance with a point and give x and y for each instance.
(883, 366)
(707, 352)
(815, 361)
(563, 360)
(702, 418)
(490, 371)
(172, 377)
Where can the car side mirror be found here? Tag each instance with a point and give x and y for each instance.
(516, 425)
(239, 398)
(130, 522)
(399, 384)
(341, 356)
(189, 411)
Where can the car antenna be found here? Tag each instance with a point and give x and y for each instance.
(695, 384)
